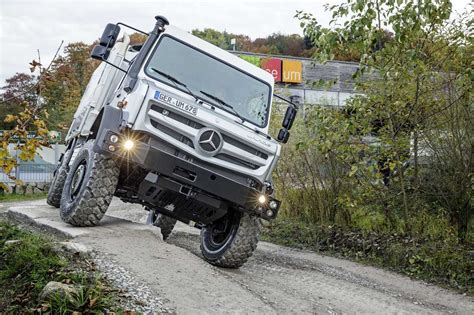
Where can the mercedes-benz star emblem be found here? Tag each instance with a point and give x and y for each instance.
(210, 141)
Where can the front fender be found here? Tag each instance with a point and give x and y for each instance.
(113, 120)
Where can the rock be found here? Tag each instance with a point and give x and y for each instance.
(54, 288)
(37, 190)
(19, 189)
(41, 186)
(12, 242)
(75, 248)
(29, 190)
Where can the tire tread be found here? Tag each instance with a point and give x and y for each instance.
(97, 195)
(243, 245)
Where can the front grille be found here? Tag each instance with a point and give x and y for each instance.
(233, 159)
(244, 147)
(172, 133)
(193, 128)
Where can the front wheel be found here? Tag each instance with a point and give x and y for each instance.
(230, 241)
(89, 187)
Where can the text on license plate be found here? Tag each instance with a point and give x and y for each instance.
(176, 103)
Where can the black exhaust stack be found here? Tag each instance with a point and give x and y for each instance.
(132, 75)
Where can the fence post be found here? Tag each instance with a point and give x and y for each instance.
(56, 154)
(17, 167)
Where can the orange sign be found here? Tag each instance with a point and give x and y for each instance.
(292, 71)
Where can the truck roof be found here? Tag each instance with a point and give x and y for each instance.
(220, 54)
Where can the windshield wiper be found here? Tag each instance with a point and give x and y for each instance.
(175, 81)
(222, 102)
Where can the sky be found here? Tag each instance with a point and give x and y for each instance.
(29, 25)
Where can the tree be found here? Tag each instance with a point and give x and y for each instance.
(23, 91)
(65, 83)
(20, 88)
(293, 45)
(214, 37)
(409, 82)
(29, 99)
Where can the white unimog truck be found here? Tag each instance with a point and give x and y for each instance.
(181, 127)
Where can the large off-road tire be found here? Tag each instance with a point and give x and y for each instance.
(164, 222)
(89, 187)
(230, 241)
(57, 184)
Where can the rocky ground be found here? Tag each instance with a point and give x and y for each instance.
(167, 277)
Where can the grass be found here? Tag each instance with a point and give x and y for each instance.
(19, 197)
(29, 264)
(442, 261)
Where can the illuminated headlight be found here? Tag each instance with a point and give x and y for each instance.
(273, 204)
(114, 138)
(128, 144)
(262, 199)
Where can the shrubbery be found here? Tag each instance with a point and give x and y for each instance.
(394, 168)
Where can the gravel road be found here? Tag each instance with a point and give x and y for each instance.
(276, 280)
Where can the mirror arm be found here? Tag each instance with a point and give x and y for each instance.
(288, 101)
(133, 28)
(111, 64)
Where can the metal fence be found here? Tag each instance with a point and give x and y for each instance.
(30, 173)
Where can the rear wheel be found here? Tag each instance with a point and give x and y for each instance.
(164, 222)
(57, 184)
(230, 241)
(89, 187)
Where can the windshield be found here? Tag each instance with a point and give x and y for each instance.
(248, 96)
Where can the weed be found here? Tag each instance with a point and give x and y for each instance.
(30, 262)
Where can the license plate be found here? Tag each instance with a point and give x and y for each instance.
(176, 103)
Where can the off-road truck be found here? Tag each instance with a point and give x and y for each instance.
(179, 126)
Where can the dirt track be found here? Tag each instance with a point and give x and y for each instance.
(275, 280)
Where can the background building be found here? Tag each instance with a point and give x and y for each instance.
(297, 78)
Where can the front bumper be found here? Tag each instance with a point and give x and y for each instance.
(195, 179)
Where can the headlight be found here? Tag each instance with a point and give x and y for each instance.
(262, 199)
(128, 144)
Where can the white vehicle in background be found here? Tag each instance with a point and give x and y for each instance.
(181, 127)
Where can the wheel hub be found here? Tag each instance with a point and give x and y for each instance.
(220, 232)
(77, 180)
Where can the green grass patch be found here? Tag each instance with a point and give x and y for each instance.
(31, 261)
(20, 197)
(442, 261)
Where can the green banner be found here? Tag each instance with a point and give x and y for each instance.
(53, 136)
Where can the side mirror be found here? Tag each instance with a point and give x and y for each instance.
(109, 36)
(289, 118)
(283, 135)
(100, 52)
